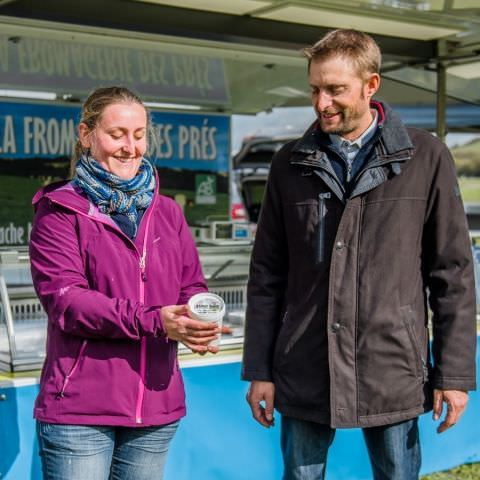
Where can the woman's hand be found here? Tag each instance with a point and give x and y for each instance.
(194, 334)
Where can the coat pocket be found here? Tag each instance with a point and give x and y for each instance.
(296, 322)
(296, 334)
(419, 357)
(72, 370)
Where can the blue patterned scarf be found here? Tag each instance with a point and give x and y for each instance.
(113, 194)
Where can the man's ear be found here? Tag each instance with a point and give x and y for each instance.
(372, 85)
(84, 135)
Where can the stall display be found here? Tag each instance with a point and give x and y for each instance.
(23, 322)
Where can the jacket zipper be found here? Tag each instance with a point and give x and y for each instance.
(143, 341)
(322, 212)
(141, 383)
(349, 171)
(61, 393)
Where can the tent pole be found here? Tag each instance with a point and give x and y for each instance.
(441, 100)
(441, 93)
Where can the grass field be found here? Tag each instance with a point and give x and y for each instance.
(469, 471)
(470, 188)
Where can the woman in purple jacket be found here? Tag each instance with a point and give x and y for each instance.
(114, 264)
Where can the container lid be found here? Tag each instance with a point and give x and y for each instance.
(207, 306)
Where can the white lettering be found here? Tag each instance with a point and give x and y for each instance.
(9, 143)
(22, 57)
(39, 143)
(182, 140)
(62, 62)
(67, 137)
(89, 59)
(47, 58)
(127, 65)
(110, 70)
(212, 143)
(76, 58)
(204, 140)
(143, 67)
(11, 234)
(203, 64)
(194, 143)
(191, 72)
(162, 145)
(168, 141)
(152, 68)
(48, 136)
(177, 72)
(100, 63)
(33, 52)
(27, 133)
(53, 136)
(201, 142)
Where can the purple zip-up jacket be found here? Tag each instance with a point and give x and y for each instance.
(108, 361)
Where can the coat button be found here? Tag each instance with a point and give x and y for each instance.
(339, 245)
(336, 327)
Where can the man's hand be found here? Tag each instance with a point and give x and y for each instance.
(456, 401)
(194, 334)
(260, 398)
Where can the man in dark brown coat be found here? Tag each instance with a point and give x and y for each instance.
(362, 226)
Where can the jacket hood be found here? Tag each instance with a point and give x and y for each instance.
(66, 194)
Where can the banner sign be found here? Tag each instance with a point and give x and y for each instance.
(37, 141)
(192, 141)
(69, 66)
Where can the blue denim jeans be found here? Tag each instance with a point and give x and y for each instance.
(394, 450)
(76, 452)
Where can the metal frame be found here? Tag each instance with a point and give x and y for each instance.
(8, 317)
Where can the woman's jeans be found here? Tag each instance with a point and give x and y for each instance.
(76, 452)
(394, 450)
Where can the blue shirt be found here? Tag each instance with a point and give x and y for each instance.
(350, 148)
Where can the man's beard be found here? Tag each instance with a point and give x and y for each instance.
(348, 122)
(344, 125)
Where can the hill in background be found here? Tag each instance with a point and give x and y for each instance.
(467, 158)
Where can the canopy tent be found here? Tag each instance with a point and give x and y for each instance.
(430, 47)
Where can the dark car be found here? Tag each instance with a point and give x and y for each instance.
(250, 171)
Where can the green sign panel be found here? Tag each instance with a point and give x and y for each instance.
(205, 189)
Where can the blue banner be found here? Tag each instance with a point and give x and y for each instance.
(183, 141)
(191, 141)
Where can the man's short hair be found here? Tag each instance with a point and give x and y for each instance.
(353, 45)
